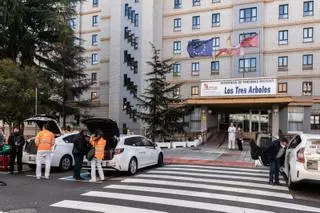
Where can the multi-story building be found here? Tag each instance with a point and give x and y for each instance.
(272, 86)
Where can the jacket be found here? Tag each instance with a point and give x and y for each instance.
(80, 145)
(272, 151)
(45, 140)
(99, 146)
(16, 141)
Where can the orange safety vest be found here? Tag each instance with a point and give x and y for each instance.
(44, 140)
(98, 146)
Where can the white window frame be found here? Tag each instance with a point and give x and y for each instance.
(307, 88)
(195, 22)
(195, 90)
(282, 62)
(283, 11)
(308, 34)
(176, 70)
(283, 37)
(176, 47)
(177, 24)
(94, 39)
(248, 15)
(195, 68)
(94, 58)
(247, 65)
(308, 8)
(215, 19)
(95, 21)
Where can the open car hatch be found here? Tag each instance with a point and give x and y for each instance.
(40, 120)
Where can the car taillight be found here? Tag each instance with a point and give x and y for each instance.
(300, 155)
(118, 151)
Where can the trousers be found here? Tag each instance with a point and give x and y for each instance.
(16, 152)
(231, 144)
(78, 160)
(96, 163)
(274, 171)
(43, 157)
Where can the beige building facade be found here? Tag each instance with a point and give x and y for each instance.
(288, 55)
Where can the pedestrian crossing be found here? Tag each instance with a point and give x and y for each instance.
(187, 188)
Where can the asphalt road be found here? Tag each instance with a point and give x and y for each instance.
(173, 188)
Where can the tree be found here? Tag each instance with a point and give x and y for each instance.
(159, 107)
(16, 92)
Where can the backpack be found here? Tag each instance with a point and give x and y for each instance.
(255, 151)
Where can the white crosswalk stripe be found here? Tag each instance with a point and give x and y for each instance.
(194, 189)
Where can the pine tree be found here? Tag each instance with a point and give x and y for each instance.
(159, 107)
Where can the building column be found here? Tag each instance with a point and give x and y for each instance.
(259, 121)
(250, 120)
(204, 112)
(275, 120)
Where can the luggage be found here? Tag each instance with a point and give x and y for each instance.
(4, 162)
(5, 149)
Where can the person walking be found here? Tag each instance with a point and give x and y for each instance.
(239, 138)
(274, 153)
(44, 143)
(16, 142)
(80, 148)
(98, 142)
(231, 136)
(2, 136)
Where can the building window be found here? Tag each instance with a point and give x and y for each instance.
(94, 77)
(283, 87)
(246, 35)
(136, 20)
(283, 63)
(94, 58)
(215, 19)
(283, 11)
(73, 23)
(126, 9)
(216, 43)
(177, 4)
(307, 88)
(195, 2)
(176, 69)
(247, 65)
(177, 47)
(177, 24)
(195, 90)
(93, 96)
(216, 1)
(94, 21)
(195, 68)
(95, 3)
(283, 37)
(308, 8)
(248, 15)
(129, 12)
(195, 22)
(215, 67)
(308, 34)
(307, 62)
(315, 121)
(176, 91)
(94, 40)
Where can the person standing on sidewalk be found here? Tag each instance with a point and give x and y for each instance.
(99, 144)
(16, 141)
(231, 136)
(44, 143)
(239, 137)
(80, 148)
(274, 153)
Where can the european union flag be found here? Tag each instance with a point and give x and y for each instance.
(199, 47)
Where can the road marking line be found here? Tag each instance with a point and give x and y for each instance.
(218, 181)
(213, 175)
(99, 207)
(217, 171)
(210, 187)
(218, 196)
(220, 167)
(174, 202)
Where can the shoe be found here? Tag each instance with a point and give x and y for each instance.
(38, 178)
(271, 182)
(92, 180)
(47, 178)
(276, 183)
(102, 179)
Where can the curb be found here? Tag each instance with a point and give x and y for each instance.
(171, 160)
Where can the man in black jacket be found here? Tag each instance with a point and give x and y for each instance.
(80, 148)
(274, 153)
(16, 141)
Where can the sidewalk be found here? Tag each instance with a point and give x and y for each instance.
(210, 154)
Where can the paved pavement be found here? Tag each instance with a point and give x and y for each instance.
(172, 189)
(210, 154)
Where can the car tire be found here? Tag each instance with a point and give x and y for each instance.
(32, 166)
(291, 185)
(65, 163)
(160, 160)
(133, 166)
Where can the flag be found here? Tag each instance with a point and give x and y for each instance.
(250, 42)
(233, 51)
(199, 47)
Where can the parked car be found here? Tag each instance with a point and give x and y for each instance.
(62, 151)
(302, 158)
(126, 152)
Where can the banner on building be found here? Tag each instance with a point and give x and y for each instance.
(239, 87)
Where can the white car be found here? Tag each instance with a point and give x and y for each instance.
(302, 158)
(126, 152)
(62, 151)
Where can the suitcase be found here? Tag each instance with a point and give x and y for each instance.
(4, 162)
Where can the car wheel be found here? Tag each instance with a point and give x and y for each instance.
(65, 163)
(291, 184)
(160, 160)
(133, 166)
(32, 166)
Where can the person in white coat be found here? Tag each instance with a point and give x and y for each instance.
(231, 136)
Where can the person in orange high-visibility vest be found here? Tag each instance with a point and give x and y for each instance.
(99, 144)
(44, 143)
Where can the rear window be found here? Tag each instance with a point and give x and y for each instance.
(313, 146)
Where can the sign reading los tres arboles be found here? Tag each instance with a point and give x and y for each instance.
(237, 87)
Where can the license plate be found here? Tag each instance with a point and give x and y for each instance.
(312, 164)
(32, 158)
